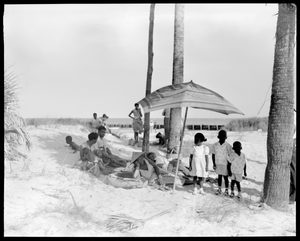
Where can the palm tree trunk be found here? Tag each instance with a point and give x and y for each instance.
(178, 64)
(145, 146)
(281, 115)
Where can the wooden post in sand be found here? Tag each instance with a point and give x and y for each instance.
(149, 78)
(177, 75)
(281, 114)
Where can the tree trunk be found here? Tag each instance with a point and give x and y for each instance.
(149, 78)
(177, 77)
(281, 115)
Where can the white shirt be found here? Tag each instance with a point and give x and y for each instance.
(100, 144)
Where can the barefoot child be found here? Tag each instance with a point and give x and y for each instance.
(236, 165)
(199, 162)
(220, 152)
(72, 144)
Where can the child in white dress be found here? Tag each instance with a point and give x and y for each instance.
(199, 162)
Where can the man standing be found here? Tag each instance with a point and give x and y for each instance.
(94, 124)
(102, 122)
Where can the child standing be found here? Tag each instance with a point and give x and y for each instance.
(199, 162)
(236, 165)
(220, 152)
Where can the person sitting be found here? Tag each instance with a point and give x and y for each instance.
(72, 144)
(101, 150)
(161, 139)
(87, 157)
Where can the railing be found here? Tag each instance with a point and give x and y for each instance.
(189, 127)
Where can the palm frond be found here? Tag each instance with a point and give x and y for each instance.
(14, 134)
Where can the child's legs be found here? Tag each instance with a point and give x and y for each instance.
(136, 137)
(232, 185)
(195, 181)
(238, 185)
(219, 181)
(201, 180)
(226, 181)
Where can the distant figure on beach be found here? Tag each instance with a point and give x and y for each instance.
(102, 122)
(72, 144)
(137, 123)
(166, 114)
(199, 162)
(236, 166)
(161, 139)
(220, 152)
(101, 150)
(94, 123)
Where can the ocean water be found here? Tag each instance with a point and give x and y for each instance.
(160, 121)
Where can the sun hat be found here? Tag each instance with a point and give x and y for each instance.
(136, 155)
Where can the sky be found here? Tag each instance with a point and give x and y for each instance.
(76, 59)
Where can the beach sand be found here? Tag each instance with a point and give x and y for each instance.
(43, 196)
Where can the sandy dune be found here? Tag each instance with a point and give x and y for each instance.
(43, 196)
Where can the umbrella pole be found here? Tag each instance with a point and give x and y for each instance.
(182, 135)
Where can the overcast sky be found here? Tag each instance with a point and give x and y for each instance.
(78, 59)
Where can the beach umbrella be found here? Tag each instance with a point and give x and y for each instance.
(187, 94)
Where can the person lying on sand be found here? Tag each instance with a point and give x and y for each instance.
(72, 144)
(168, 166)
(101, 150)
(145, 167)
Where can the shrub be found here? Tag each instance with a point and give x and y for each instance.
(248, 124)
(13, 122)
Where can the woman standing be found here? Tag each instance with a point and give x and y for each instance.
(137, 123)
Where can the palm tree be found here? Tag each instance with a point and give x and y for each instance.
(177, 77)
(149, 77)
(281, 116)
(13, 122)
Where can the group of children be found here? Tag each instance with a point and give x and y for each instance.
(228, 161)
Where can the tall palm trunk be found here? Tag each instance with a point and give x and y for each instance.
(149, 77)
(177, 77)
(281, 116)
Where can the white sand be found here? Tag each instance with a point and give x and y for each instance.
(37, 199)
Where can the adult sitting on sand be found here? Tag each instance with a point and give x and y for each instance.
(87, 157)
(101, 150)
(145, 167)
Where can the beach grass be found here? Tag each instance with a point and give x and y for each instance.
(14, 134)
(248, 124)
